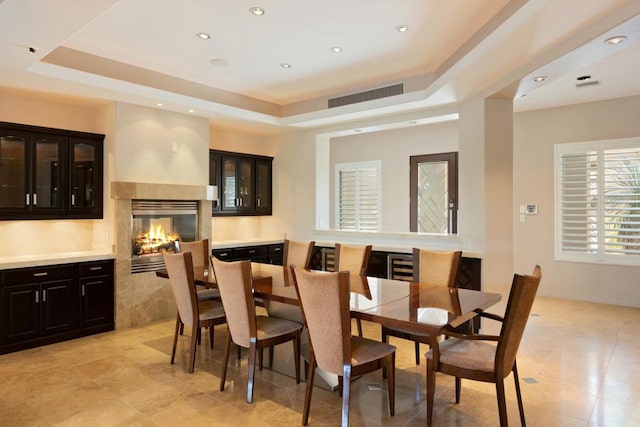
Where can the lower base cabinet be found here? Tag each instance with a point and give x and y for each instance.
(43, 305)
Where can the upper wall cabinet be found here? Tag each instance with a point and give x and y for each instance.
(243, 181)
(49, 173)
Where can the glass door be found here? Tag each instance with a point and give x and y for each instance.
(13, 170)
(47, 173)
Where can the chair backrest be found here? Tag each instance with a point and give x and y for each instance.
(235, 284)
(521, 297)
(324, 300)
(199, 251)
(354, 259)
(297, 253)
(180, 269)
(438, 268)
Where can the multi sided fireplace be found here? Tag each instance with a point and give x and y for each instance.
(155, 226)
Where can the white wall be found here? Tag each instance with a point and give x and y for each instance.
(535, 134)
(393, 148)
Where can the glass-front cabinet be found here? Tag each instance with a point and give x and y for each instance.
(49, 173)
(244, 183)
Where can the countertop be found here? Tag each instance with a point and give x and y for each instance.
(23, 261)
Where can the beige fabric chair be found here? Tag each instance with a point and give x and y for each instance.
(246, 329)
(192, 313)
(297, 253)
(438, 268)
(324, 299)
(200, 255)
(487, 358)
(355, 260)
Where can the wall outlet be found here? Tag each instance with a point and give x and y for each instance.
(532, 209)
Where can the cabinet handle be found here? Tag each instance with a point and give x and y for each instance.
(37, 297)
(258, 202)
(73, 200)
(252, 251)
(82, 290)
(224, 254)
(35, 199)
(40, 274)
(28, 199)
(95, 268)
(44, 295)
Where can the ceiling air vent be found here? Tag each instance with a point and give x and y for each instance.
(383, 92)
(586, 84)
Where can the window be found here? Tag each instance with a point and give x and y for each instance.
(434, 193)
(358, 199)
(598, 201)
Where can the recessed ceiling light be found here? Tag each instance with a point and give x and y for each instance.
(402, 28)
(336, 49)
(159, 104)
(583, 78)
(203, 36)
(539, 79)
(258, 11)
(615, 40)
(192, 111)
(285, 65)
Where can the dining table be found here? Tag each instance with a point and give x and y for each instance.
(417, 307)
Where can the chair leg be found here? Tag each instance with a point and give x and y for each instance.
(211, 336)
(271, 357)
(296, 355)
(175, 339)
(516, 379)
(416, 344)
(391, 385)
(385, 336)
(181, 328)
(198, 334)
(359, 324)
(225, 361)
(307, 395)
(252, 370)
(192, 355)
(458, 386)
(239, 355)
(431, 388)
(260, 358)
(346, 394)
(502, 404)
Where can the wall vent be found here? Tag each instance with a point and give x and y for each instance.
(383, 92)
(586, 84)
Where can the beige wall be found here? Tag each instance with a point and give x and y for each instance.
(535, 134)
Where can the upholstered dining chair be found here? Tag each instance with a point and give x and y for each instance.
(297, 253)
(324, 300)
(191, 312)
(438, 268)
(245, 328)
(355, 260)
(487, 358)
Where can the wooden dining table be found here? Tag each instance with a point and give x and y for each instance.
(417, 307)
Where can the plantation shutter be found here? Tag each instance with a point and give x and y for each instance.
(598, 201)
(358, 196)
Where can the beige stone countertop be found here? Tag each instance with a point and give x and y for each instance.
(23, 261)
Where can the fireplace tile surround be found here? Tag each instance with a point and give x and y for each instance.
(143, 298)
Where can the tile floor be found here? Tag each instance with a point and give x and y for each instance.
(580, 363)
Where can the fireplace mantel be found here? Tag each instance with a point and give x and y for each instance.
(143, 298)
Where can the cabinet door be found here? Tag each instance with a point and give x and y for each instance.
(263, 186)
(57, 307)
(20, 313)
(214, 174)
(246, 184)
(14, 171)
(85, 177)
(229, 184)
(48, 173)
(96, 300)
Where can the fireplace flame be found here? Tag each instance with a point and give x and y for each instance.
(154, 241)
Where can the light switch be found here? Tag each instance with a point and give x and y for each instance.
(523, 209)
(521, 218)
(174, 147)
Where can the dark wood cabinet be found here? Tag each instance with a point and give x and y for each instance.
(268, 254)
(49, 173)
(37, 302)
(244, 183)
(43, 305)
(96, 293)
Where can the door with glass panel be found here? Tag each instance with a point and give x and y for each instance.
(434, 193)
(85, 177)
(14, 178)
(48, 173)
